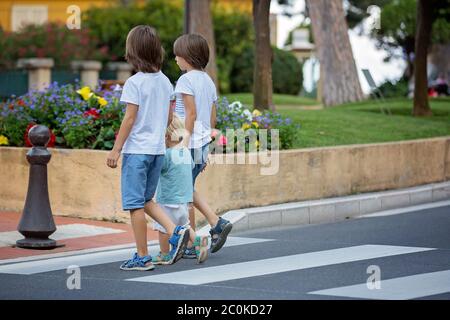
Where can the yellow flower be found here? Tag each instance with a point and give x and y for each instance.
(3, 141)
(246, 126)
(102, 101)
(255, 124)
(85, 92)
(257, 144)
(256, 113)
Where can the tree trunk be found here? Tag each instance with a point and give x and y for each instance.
(423, 35)
(337, 65)
(199, 20)
(262, 73)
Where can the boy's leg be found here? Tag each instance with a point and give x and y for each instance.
(163, 257)
(220, 228)
(198, 246)
(154, 210)
(192, 216)
(164, 243)
(133, 188)
(139, 225)
(202, 206)
(178, 236)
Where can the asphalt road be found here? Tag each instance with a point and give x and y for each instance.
(405, 256)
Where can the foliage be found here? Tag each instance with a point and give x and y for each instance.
(50, 40)
(398, 89)
(398, 26)
(253, 125)
(77, 117)
(287, 72)
(233, 32)
(80, 118)
(111, 26)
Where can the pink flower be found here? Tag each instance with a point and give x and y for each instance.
(222, 141)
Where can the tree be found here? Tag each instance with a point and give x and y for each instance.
(428, 11)
(198, 20)
(262, 75)
(398, 29)
(337, 65)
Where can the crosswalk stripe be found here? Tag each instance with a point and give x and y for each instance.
(90, 259)
(404, 288)
(279, 264)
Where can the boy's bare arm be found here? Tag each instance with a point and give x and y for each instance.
(169, 120)
(124, 132)
(213, 116)
(190, 116)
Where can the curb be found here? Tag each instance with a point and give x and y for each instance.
(333, 209)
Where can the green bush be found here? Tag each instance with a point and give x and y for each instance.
(287, 72)
(50, 40)
(111, 26)
(390, 89)
(233, 32)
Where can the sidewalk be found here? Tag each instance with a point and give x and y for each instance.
(75, 234)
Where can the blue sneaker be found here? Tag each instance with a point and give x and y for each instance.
(138, 263)
(189, 253)
(219, 234)
(178, 241)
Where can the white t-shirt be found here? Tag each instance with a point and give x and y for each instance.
(198, 84)
(151, 92)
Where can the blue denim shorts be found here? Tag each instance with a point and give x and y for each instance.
(140, 176)
(199, 156)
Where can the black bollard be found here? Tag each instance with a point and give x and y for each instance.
(37, 224)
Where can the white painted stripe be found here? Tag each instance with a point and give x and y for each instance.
(411, 287)
(279, 264)
(419, 207)
(90, 259)
(65, 231)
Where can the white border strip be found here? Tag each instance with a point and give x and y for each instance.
(415, 208)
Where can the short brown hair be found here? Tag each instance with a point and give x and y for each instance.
(143, 49)
(193, 48)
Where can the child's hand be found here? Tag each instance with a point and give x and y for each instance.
(113, 158)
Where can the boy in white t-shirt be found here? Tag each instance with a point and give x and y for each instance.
(141, 140)
(195, 99)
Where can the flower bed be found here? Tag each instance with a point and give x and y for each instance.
(77, 117)
(234, 119)
(80, 118)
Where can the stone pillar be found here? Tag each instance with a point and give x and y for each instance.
(89, 71)
(39, 72)
(123, 70)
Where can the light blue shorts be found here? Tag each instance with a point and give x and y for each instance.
(140, 175)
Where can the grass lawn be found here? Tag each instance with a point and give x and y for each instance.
(278, 99)
(364, 123)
